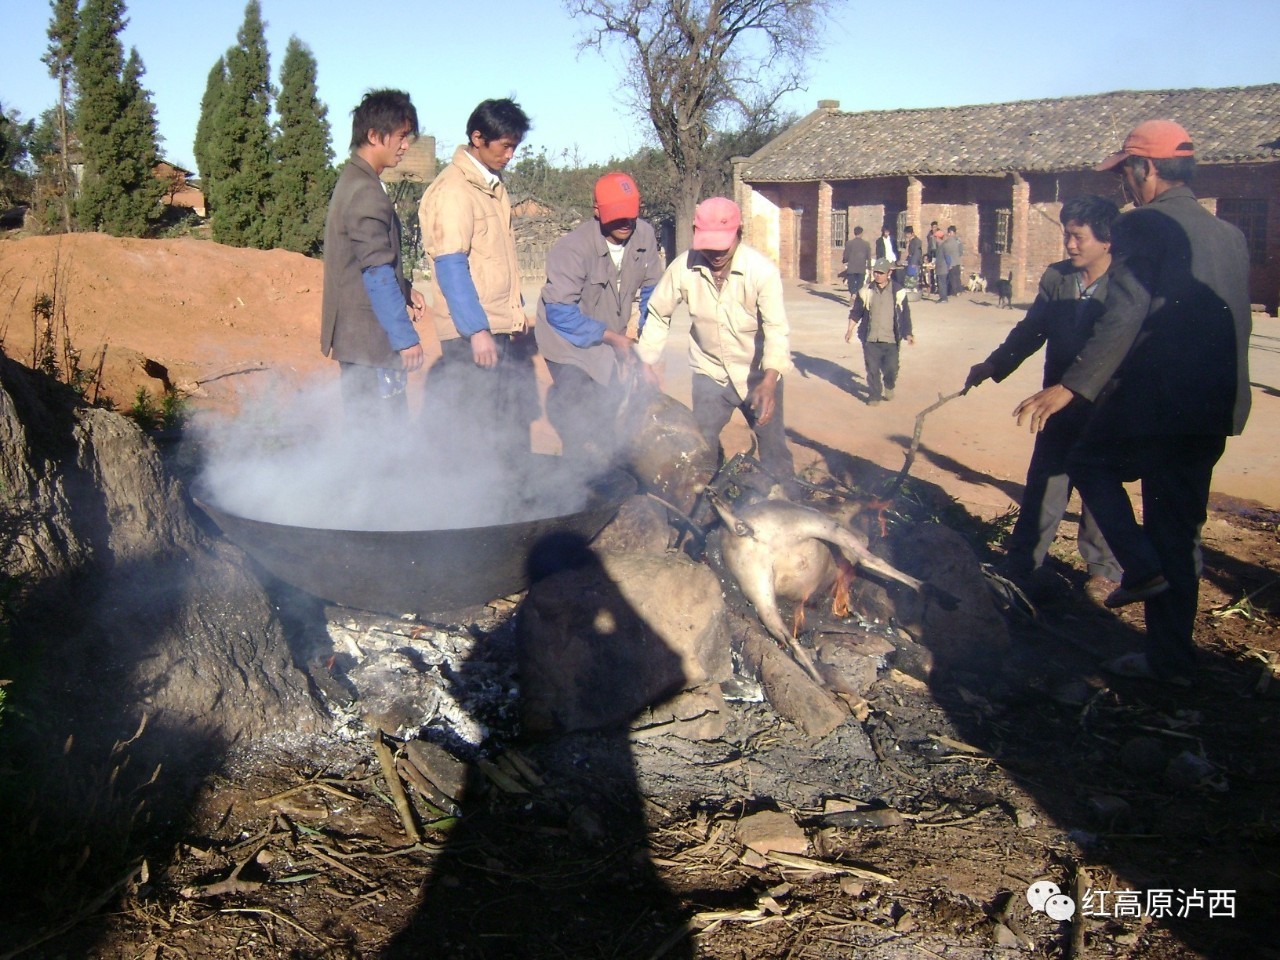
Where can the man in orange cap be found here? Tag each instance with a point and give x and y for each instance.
(596, 274)
(739, 346)
(1166, 369)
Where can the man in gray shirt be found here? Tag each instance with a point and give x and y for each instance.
(883, 319)
(856, 257)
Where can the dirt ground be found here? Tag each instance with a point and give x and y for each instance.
(922, 833)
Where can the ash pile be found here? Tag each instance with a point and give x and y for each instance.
(650, 632)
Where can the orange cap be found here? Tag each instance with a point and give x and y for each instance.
(1157, 139)
(617, 198)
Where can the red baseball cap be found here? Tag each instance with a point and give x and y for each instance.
(715, 224)
(617, 198)
(1157, 139)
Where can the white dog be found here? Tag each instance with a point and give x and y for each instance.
(977, 283)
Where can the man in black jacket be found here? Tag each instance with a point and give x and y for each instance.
(1072, 295)
(1167, 369)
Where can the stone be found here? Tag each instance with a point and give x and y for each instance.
(769, 831)
(438, 765)
(599, 644)
(692, 714)
(640, 526)
(845, 668)
(792, 692)
(973, 636)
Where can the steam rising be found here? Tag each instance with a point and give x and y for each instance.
(295, 461)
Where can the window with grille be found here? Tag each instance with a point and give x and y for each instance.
(1251, 217)
(900, 231)
(839, 227)
(1003, 240)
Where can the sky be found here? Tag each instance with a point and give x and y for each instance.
(451, 55)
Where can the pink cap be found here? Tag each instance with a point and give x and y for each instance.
(715, 224)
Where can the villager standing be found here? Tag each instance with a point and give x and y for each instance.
(856, 258)
(915, 256)
(596, 274)
(955, 254)
(1072, 296)
(941, 265)
(479, 390)
(1167, 369)
(885, 247)
(368, 307)
(883, 319)
(739, 347)
(931, 254)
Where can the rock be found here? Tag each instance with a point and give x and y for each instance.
(771, 830)
(438, 765)
(640, 526)
(692, 715)
(1005, 938)
(1143, 756)
(1110, 810)
(791, 691)
(974, 635)
(126, 593)
(845, 668)
(1188, 770)
(1025, 819)
(599, 644)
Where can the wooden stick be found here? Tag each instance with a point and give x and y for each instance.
(901, 478)
(396, 788)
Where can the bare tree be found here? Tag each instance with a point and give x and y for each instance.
(691, 64)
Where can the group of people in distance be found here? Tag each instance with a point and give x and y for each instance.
(1146, 328)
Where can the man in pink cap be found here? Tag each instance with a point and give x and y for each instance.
(596, 275)
(738, 346)
(1167, 372)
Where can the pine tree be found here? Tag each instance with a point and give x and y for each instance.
(205, 148)
(63, 26)
(304, 175)
(242, 142)
(118, 190)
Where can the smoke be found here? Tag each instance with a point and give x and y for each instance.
(300, 459)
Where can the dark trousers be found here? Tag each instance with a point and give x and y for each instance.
(940, 273)
(713, 405)
(471, 412)
(954, 282)
(1175, 472)
(583, 412)
(856, 280)
(1044, 501)
(881, 361)
(365, 410)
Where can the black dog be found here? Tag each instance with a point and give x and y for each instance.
(1004, 290)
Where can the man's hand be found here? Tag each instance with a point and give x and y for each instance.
(651, 374)
(411, 358)
(763, 399)
(1039, 407)
(911, 339)
(621, 344)
(417, 306)
(484, 349)
(978, 373)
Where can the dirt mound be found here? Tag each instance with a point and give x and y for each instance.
(196, 308)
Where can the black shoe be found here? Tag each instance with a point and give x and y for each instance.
(1123, 596)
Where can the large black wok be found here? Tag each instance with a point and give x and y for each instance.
(417, 571)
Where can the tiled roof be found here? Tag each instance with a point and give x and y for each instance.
(1227, 124)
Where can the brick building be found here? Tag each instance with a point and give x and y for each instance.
(1000, 172)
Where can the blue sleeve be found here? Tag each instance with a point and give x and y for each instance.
(387, 300)
(453, 273)
(574, 325)
(645, 293)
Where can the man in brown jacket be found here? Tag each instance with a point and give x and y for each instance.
(367, 301)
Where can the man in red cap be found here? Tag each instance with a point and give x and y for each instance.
(595, 276)
(1166, 369)
(739, 346)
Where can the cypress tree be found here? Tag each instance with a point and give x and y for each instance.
(242, 142)
(118, 190)
(58, 57)
(304, 175)
(205, 149)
